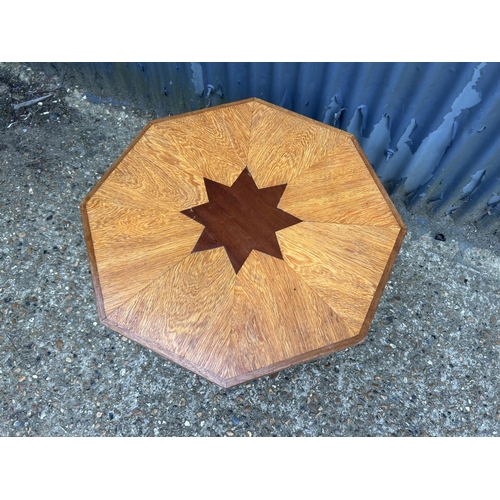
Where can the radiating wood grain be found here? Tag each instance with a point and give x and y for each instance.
(140, 183)
(338, 189)
(240, 218)
(377, 181)
(113, 167)
(276, 317)
(214, 142)
(343, 264)
(133, 246)
(186, 311)
(284, 144)
(192, 307)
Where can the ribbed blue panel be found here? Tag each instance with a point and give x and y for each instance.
(429, 129)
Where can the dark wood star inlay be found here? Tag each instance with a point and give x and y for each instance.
(241, 218)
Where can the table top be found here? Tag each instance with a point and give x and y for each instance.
(240, 240)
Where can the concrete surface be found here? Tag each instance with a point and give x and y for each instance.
(429, 367)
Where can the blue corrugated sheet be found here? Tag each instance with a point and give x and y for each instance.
(429, 129)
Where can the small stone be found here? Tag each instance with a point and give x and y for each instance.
(182, 402)
(98, 414)
(229, 433)
(236, 421)
(69, 360)
(22, 234)
(187, 423)
(22, 378)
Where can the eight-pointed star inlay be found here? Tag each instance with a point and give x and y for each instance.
(241, 218)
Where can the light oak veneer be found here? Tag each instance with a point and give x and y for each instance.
(240, 240)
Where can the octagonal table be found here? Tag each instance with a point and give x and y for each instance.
(240, 240)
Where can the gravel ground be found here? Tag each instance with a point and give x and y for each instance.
(429, 366)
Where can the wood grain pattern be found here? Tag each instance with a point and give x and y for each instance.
(137, 182)
(314, 293)
(343, 264)
(378, 183)
(383, 281)
(284, 144)
(338, 189)
(276, 317)
(113, 167)
(133, 246)
(241, 218)
(214, 142)
(186, 311)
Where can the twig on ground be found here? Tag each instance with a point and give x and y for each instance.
(30, 103)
